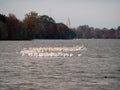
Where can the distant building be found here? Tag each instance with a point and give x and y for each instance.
(68, 23)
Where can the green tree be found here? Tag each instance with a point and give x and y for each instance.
(48, 27)
(63, 31)
(117, 33)
(2, 18)
(3, 31)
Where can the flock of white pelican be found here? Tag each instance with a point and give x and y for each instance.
(50, 51)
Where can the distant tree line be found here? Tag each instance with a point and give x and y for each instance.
(35, 26)
(85, 31)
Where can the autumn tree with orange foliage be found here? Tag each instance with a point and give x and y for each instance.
(30, 24)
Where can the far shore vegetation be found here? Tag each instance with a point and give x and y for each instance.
(35, 26)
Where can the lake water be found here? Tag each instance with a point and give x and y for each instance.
(96, 67)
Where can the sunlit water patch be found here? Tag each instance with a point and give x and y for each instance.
(53, 51)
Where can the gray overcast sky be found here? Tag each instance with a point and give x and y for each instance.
(96, 13)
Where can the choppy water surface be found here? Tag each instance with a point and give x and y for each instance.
(94, 67)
